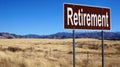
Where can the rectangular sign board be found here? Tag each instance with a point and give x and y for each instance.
(86, 17)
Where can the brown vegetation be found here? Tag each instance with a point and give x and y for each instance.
(57, 53)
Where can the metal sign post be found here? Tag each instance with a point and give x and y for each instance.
(102, 34)
(86, 17)
(74, 61)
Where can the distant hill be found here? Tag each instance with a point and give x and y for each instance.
(63, 35)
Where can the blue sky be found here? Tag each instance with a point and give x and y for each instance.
(46, 16)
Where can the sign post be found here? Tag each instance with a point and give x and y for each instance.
(74, 61)
(102, 34)
(86, 17)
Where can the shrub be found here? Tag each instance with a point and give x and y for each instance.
(14, 49)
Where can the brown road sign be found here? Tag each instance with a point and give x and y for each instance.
(86, 17)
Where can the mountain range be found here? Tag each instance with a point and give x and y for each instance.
(63, 35)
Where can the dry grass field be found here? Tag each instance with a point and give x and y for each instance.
(57, 53)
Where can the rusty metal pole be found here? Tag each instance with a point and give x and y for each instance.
(102, 34)
(74, 60)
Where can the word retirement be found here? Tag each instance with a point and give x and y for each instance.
(82, 19)
(86, 17)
